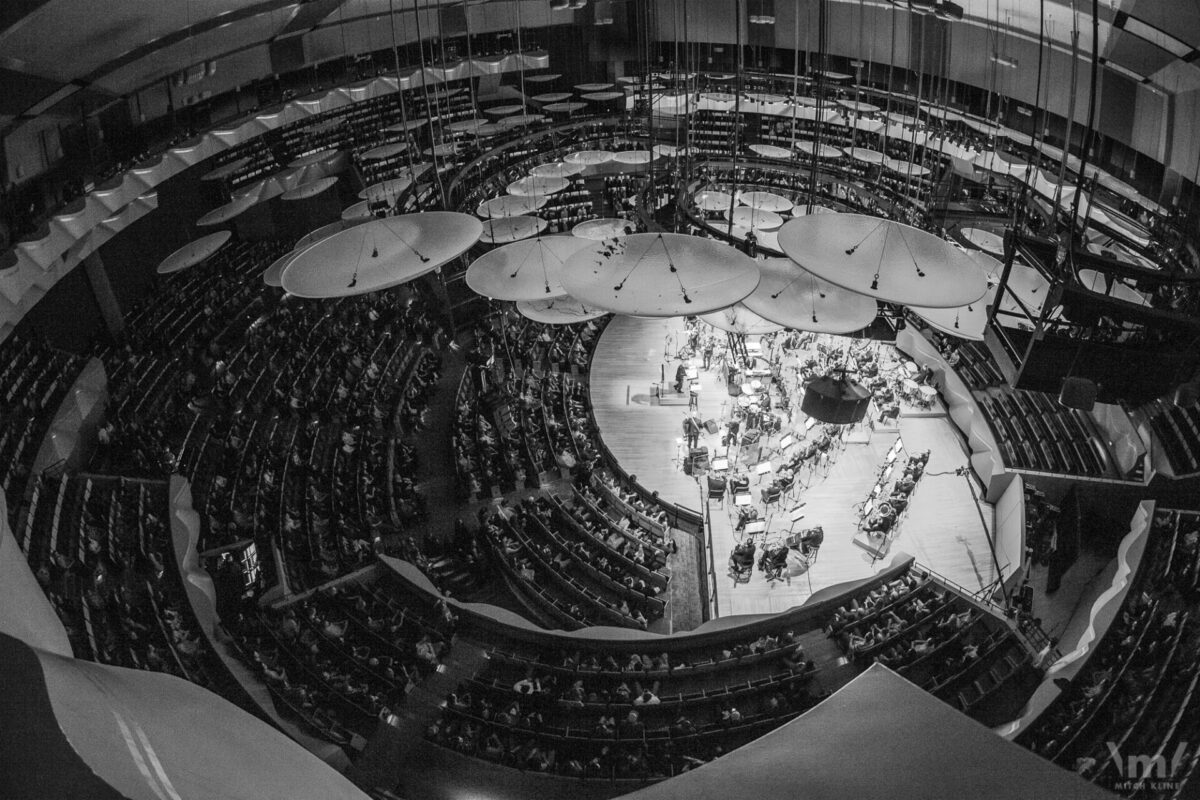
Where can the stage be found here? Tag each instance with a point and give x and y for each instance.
(941, 527)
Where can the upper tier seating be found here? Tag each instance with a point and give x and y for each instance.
(35, 377)
(1137, 690)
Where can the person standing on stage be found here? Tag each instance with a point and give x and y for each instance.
(708, 353)
(680, 376)
(691, 429)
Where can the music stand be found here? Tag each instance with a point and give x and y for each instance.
(762, 468)
(719, 464)
(786, 442)
(796, 515)
(744, 499)
(758, 526)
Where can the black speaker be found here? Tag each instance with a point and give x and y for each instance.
(1079, 393)
(836, 400)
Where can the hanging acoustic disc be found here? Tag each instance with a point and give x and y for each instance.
(358, 212)
(537, 186)
(771, 151)
(739, 319)
(527, 270)
(511, 205)
(824, 152)
(598, 229)
(222, 214)
(589, 158)
(311, 189)
(765, 201)
(709, 200)
(797, 299)
(193, 252)
(556, 169)
(885, 259)
(385, 191)
(754, 219)
(384, 151)
(565, 310)
(866, 155)
(503, 230)
(660, 275)
(380, 254)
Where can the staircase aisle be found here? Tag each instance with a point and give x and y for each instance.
(436, 473)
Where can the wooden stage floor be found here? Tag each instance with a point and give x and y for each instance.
(941, 527)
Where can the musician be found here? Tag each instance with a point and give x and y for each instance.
(811, 539)
(708, 353)
(691, 429)
(735, 425)
(680, 377)
(882, 520)
(751, 247)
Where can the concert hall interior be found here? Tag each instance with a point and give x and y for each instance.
(507, 399)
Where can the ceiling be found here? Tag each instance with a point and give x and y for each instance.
(51, 50)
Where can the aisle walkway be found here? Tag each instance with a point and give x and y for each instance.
(436, 473)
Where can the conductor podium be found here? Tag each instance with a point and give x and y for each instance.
(667, 396)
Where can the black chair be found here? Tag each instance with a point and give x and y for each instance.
(716, 489)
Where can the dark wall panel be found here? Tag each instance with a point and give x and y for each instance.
(1117, 106)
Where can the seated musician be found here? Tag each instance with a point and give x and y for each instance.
(811, 539)
(882, 520)
(745, 514)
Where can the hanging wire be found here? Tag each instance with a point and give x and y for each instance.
(430, 108)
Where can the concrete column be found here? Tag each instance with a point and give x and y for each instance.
(102, 290)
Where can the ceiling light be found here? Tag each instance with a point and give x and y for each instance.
(762, 12)
(1004, 61)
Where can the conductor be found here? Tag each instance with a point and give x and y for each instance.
(680, 377)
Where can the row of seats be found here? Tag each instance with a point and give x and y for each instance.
(509, 430)
(1035, 433)
(344, 657)
(35, 379)
(101, 549)
(974, 365)
(1138, 688)
(1178, 429)
(605, 711)
(553, 571)
(936, 639)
